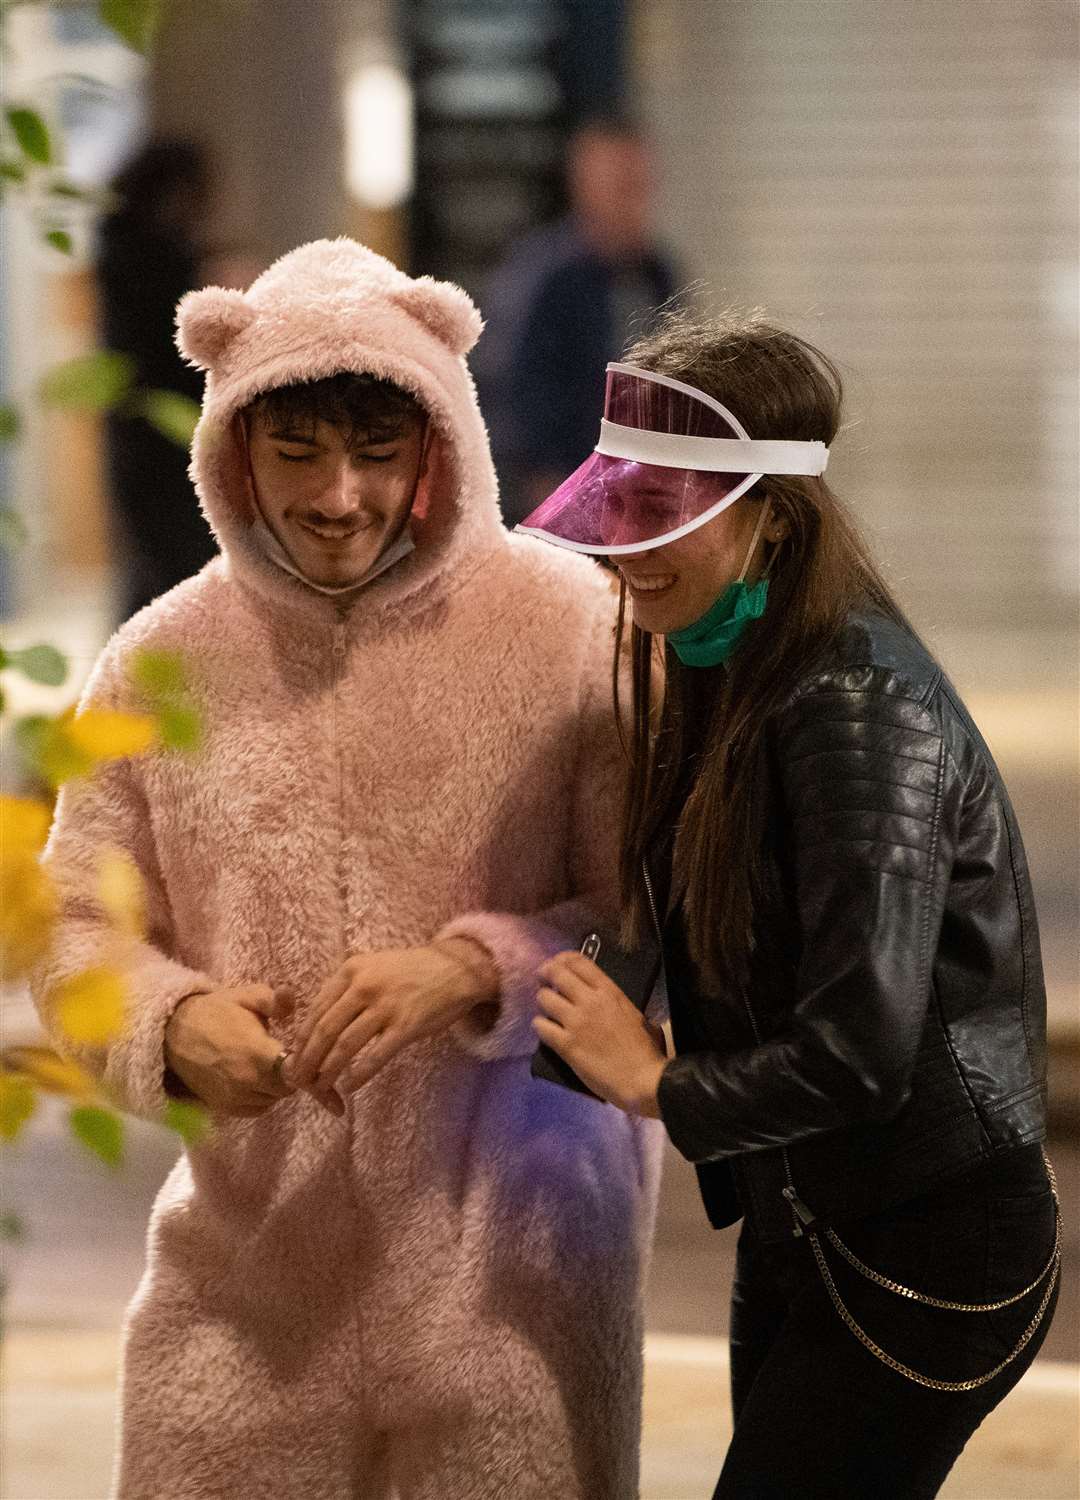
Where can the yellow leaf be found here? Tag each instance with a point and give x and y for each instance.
(27, 912)
(108, 734)
(120, 888)
(50, 1071)
(90, 1007)
(17, 1103)
(24, 825)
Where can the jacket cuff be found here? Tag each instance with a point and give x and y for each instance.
(678, 1097)
(517, 947)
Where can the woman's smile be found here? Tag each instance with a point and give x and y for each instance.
(651, 585)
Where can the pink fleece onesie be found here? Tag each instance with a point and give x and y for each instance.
(440, 1294)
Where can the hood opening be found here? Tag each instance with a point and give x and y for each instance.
(328, 308)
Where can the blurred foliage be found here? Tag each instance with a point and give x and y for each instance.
(91, 382)
(172, 414)
(88, 1008)
(134, 21)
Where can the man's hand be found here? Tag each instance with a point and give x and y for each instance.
(219, 1047)
(594, 1027)
(378, 1003)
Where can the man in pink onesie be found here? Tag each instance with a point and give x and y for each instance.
(399, 1266)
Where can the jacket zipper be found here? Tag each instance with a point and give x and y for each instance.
(803, 1216)
(652, 908)
(804, 1219)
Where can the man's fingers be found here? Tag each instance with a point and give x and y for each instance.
(255, 997)
(331, 992)
(356, 1035)
(272, 1078)
(378, 1052)
(308, 1058)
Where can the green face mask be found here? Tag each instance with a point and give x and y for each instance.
(712, 639)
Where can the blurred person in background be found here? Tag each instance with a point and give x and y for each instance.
(150, 253)
(398, 1261)
(564, 303)
(849, 933)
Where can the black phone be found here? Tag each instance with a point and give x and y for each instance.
(635, 972)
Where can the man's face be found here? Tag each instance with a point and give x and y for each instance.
(334, 501)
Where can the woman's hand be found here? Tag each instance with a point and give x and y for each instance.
(592, 1025)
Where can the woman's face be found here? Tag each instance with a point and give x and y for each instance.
(673, 586)
(334, 504)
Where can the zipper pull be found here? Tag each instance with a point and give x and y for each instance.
(338, 643)
(805, 1221)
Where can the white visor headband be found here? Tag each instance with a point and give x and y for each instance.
(710, 455)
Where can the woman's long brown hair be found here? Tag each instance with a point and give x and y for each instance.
(708, 723)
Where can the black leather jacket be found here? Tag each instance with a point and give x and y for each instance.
(893, 1029)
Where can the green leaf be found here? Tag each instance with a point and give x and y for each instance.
(32, 134)
(134, 21)
(179, 727)
(12, 170)
(13, 532)
(160, 674)
(190, 1121)
(59, 239)
(42, 664)
(9, 423)
(100, 1131)
(91, 382)
(173, 415)
(64, 189)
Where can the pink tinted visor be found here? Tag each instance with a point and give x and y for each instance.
(668, 460)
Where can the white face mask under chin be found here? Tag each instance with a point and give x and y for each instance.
(272, 548)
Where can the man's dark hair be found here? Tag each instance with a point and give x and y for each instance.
(362, 407)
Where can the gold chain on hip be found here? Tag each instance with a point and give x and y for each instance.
(1052, 1268)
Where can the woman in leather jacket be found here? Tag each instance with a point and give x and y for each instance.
(818, 836)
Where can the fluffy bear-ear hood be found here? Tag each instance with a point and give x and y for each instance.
(328, 307)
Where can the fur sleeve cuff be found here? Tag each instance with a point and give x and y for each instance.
(518, 946)
(135, 1070)
(131, 1069)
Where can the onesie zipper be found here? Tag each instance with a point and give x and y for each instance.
(337, 648)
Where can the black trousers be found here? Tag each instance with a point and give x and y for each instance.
(817, 1415)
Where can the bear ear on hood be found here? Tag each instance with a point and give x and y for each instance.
(208, 320)
(444, 309)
